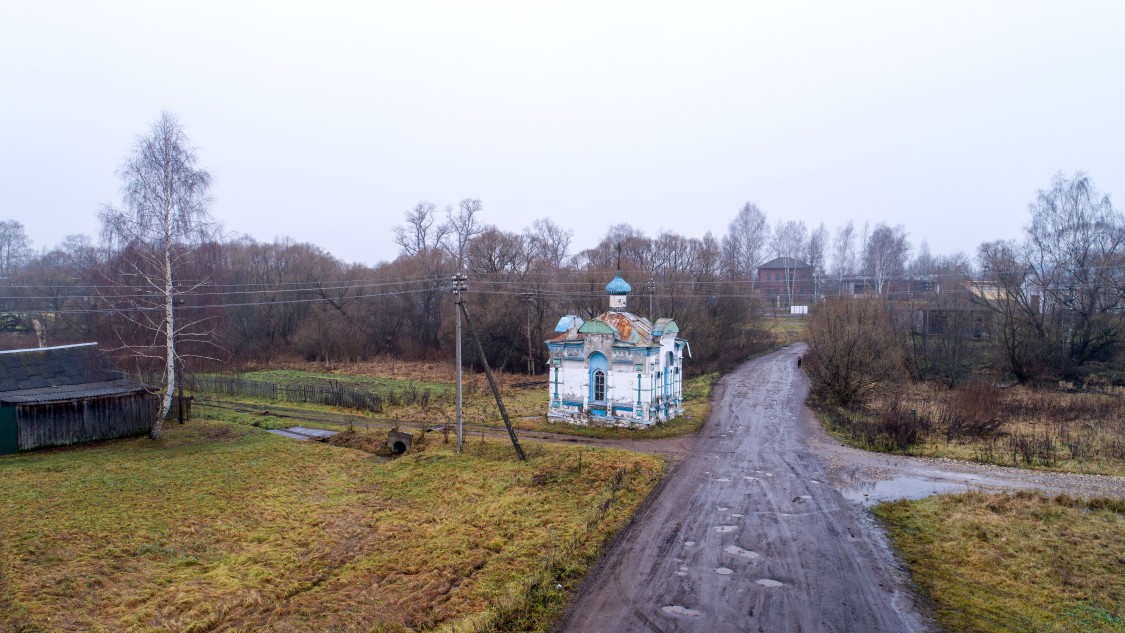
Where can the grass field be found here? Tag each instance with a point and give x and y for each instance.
(526, 404)
(1019, 562)
(786, 329)
(223, 527)
(1046, 429)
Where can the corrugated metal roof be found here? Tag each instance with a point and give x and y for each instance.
(73, 392)
(625, 326)
(597, 326)
(60, 373)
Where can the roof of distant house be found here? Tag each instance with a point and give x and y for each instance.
(784, 262)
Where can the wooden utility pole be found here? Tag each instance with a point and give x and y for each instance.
(459, 286)
(492, 382)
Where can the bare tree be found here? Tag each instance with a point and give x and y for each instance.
(790, 243)
(549, 242)
(843, 252)
(817, 251)
(744, 245)
(165, 218)
(852, 350)
(461, 227)
(1020, 329)
(885, 254)
(1076, 248)
(419, 234)
(924, 263)
(14, 247)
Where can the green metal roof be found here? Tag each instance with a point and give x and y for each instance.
(596, 326)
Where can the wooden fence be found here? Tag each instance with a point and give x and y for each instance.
(333, 394)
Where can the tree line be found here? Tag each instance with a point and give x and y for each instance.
(163, 282)
(1047, 306)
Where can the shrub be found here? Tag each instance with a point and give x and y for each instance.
(973, 411)
(852, 350)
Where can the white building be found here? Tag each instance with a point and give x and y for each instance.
(617, 369)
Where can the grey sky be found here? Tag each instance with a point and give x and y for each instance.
(325, 121)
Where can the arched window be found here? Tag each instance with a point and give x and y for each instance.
(599, 368)
(599, 385)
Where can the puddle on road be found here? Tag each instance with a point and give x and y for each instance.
(723, 529)
(675, 609)
(767, 582)
(902, 488)
(724, 571)
(738, 551)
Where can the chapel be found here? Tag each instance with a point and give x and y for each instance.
(616, 369)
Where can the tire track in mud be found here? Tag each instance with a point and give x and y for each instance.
(747, 535)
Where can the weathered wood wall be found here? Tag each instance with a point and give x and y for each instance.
(62, 423)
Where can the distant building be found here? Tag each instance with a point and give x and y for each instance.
(617, 369)
(786, 281)
(55, 396)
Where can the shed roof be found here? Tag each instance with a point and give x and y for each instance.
(60, 373)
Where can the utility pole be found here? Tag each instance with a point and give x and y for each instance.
(528, 297)
(492, 384)
(459, 286)
(651, 291)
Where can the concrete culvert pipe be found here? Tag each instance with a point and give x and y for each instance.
(399, 442)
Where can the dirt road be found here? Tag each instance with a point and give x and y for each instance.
(761, 527)
(747, 534)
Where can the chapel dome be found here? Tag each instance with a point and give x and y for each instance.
(618, 286)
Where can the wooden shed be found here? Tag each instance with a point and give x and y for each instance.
(55, 396)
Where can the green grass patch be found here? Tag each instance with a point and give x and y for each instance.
(786, 330)
(1019, 562)
(221, 526)
(375, 384)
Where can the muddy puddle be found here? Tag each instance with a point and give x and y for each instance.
(906, 487)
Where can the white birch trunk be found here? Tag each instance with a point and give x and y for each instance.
(169, 323)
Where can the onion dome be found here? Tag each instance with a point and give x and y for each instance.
(618, 286)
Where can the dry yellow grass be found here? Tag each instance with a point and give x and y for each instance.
(224, 527)
(1019, 562)
(1045, 429)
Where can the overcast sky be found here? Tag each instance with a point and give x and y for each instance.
(326, 121)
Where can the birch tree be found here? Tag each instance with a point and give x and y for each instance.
(790, 243)
(884, 256)
(164, 219)
(745, 242)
